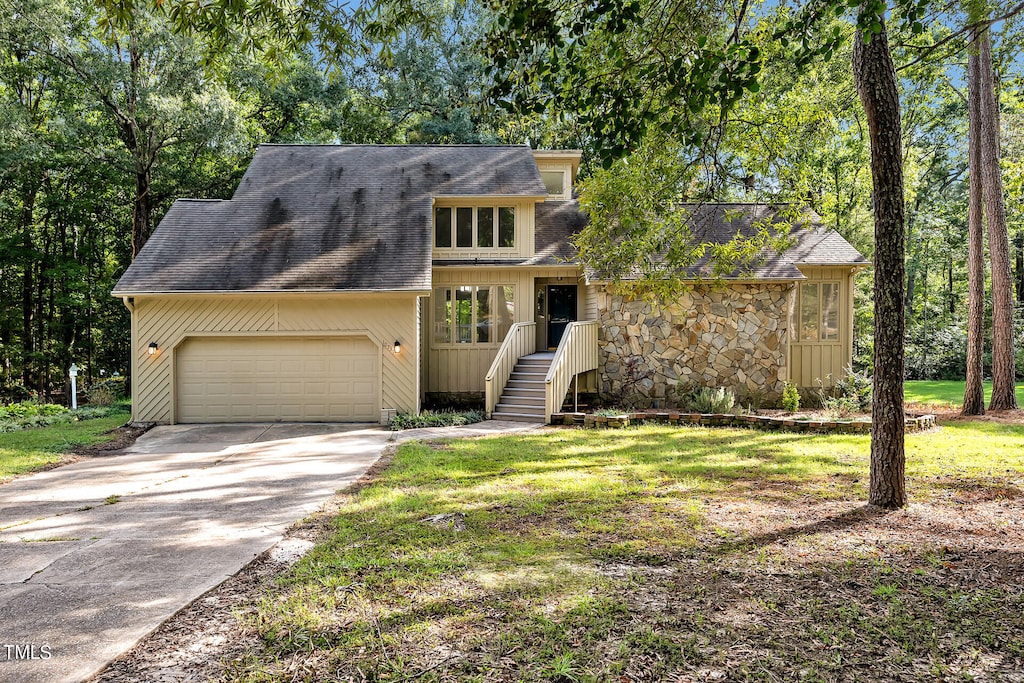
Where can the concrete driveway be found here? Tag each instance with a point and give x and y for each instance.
(95, 555)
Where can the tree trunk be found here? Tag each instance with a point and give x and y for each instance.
(974, 396)
(142, 209)
(876, 83)
(1003, 369)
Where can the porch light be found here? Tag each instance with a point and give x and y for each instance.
(153, 348)
(398, 346)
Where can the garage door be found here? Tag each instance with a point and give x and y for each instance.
(291, 379)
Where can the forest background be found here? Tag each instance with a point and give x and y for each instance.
(105, 120)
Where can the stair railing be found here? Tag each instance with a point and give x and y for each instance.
(520, 341)
(576, 353)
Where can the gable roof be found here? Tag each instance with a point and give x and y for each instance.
(813, 244)
(324, 218)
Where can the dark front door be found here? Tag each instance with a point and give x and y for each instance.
(561, 311)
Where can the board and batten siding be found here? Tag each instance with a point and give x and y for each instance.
(169, 320)
(455, 368)
(811, 361)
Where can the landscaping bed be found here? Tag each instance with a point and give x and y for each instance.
(782, 422)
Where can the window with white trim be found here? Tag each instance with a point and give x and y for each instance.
(474, 227)
(473, 314)
(819, 312)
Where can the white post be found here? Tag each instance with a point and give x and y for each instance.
(73, 372)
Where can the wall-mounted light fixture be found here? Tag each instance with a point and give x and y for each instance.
(153, 348)
(397, 347)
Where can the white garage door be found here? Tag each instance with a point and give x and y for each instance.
(290, 379)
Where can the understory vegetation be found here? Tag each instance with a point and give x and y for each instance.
(660, 553)
(439, 418)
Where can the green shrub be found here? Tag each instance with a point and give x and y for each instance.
(101, 395)
(855, 386)
(20, 416)
(429, 418)
(839, 407)
(713, 400)
(791, 397)
(26, 409)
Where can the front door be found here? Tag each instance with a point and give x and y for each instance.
(561, 311)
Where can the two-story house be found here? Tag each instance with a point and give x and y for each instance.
(351, 282)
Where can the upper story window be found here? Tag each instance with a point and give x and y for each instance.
(819, 312)
(474, 227)
(554, 181)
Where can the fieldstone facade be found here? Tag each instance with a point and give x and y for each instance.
(734, 336)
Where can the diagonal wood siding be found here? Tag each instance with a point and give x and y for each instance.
(168, 321)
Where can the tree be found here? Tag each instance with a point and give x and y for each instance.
(974, 396)
(1003, 366)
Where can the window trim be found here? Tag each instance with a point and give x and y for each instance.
(438, 293)
(475, 239)
(819, 285)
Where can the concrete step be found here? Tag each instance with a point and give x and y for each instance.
(520, 409)
(518, 417)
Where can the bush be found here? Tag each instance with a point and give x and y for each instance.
(29, 415)
(850, 394)
(713, 400)
(838, 407)
(26, 409)
(101, 395)
(791, 397)
(430, 418)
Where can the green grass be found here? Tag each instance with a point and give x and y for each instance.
(946, 392)
(647, 553)
(29, 450)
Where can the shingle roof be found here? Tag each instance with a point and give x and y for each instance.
(813, 244)
(324, 218)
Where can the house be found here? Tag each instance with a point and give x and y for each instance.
(353, 282)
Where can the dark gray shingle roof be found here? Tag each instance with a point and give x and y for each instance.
(324, 218)
(813, 244)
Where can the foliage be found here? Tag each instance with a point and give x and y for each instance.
(791, 397)
(850, 393)
(26, 450)
(713, 400)
(35, 415)
(441, 418)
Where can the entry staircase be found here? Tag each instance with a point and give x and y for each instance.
(527, 386)
(524, 394)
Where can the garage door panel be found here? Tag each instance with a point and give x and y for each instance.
(277, 379)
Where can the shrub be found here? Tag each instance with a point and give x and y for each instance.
(27, 415)
(713, 400)
(855, 386)
(791, 397)
(838, 407)
(429, 418)
(101, 395)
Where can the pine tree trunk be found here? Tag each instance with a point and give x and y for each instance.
(974, 396)
(1003, 369)
(876, 83)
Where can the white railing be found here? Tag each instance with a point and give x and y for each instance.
(521, 340)
(576, 353)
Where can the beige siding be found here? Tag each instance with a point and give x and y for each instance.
(462, 367)
(170, 320)
(818, 360)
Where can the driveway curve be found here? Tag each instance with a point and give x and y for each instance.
(95, 555)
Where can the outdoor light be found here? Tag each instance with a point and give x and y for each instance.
(152, 348)
(398, 346)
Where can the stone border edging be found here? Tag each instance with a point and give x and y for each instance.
(862, 425)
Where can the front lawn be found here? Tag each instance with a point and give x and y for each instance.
(28, 450)
(947, 393)
(661, 553)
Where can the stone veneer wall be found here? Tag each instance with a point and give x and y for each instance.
(734, 336)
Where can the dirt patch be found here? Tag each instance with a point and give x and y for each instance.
(122, 437)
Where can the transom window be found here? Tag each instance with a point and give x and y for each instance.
(473, 314)
(819, 311)
(481, 227)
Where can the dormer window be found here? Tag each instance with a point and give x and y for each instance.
(554, 181)
(474, 227)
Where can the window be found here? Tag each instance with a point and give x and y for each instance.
(819, 312)
(473, 314)
(554, 181)
(475, 227)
